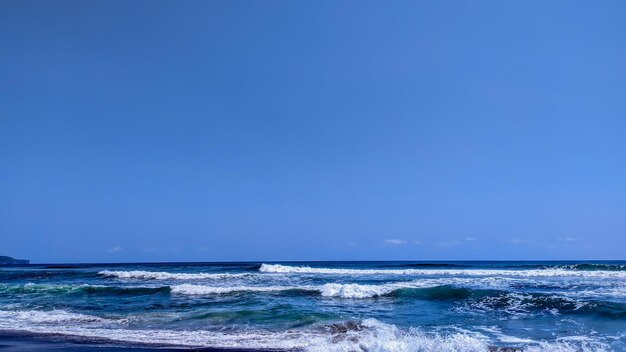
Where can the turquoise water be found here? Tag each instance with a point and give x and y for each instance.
(325, 306)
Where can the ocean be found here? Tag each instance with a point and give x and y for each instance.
(322, 306)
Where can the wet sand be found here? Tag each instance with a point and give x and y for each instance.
(20, 342)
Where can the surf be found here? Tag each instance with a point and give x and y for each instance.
(162, 275)
(367, 334)
(548, 272)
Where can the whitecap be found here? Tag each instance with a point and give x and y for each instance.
(161, 275)
(356, 290)
(559, 272)
(370, 335)
(50, 317)
(327, 290)
(189, 289)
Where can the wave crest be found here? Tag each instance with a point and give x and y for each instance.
(365, 335)
(161, 275)
(547, 272)
(355, 290)
(189, 289)
(49, 317)
(76, 289)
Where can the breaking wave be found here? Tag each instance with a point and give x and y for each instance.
(161, 275)
(471, 299)
(364, 335)
(47, 317)
(86, 289)
(189, 289)
(547, 272)
(475, 300)
(335, 290)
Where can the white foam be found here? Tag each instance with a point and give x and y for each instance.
(562, 344)
(341, 290)
(327, 290)
(161, 275)
(497, 332)
(211, 290)
(356, 290)
(570, 345)
(372, 335)
(375, 336)
(557, 272)
(47, 288)
(378, 336)
(604, 293)
(47, 317)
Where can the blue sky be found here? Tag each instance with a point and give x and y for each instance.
(300, 130)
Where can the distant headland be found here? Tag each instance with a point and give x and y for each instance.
(4, 260)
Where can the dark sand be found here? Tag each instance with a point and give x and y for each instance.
(20, 342)
(23, 342)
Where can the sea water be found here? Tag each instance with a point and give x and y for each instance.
(324, 306)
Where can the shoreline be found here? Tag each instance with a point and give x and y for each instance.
(19, 341)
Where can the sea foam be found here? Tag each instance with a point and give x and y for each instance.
(366, 335)
(189, 289)
(49, 317)
(356, 290)
(327, 290)
(161, 275)
(557, 272)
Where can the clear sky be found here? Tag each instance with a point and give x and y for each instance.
(299, 130)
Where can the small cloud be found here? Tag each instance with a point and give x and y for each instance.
(569, 239)
(351, 243)
(470, 239)
(395, 242)
(417, 243)
(175, 250)
(203, 249)
(150, 250)
(449, 243)
(114, 249)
